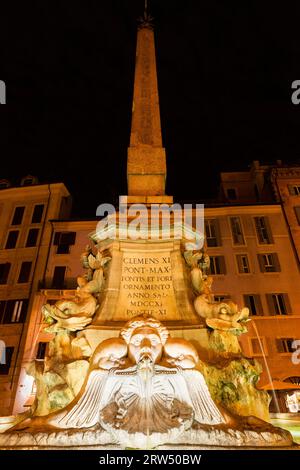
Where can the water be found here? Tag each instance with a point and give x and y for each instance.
(267, 367)
(292, 425)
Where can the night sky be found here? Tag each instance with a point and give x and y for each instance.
(224, 70)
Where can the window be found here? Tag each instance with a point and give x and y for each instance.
(256, 192)
(2, 352)
(41, 350)
(284, 345)
(237, 231)
(4, 184)
(59, 277)
(29, 180)
(252, 301)
(258, 346)
(294, 190)
(278, 304)
(269, 262)
(63, 241)
(297, 213)
(13, 311)
(4, 272)
(263, 230)
(217, 265)
(37, 214)
(25, 272)
(231, 194)
(32, 237)
(221, 297)
(243, 264)
(12, 239)
(212, 232)
(4, 368)
(18, 216)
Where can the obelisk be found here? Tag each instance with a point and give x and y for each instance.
(146, 164)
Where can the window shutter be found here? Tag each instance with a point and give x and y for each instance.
(270, 304)
(239, 263)
(218, 232)
(2, 309)
(268, 227)
(6, 271)
(279, 345)
(247, 302)
(276, 262)
(24, 311)
(56, 238)
(72, 238)
(4, 368)
(259, 310)
(257, 226)
(222, 264)
(287, 304)
(261, 263)
(292, 190)
(297, 213)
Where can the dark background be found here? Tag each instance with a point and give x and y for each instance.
(224, 70)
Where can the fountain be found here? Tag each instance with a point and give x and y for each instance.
(144, 387)
(142, 356)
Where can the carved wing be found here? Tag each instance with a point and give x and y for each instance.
(85, 413)
(206, 411)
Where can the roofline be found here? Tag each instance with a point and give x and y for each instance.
(27, 188)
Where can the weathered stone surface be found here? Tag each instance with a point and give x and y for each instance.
(232, 383)
(196, 437)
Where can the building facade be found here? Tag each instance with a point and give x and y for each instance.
(25, 237)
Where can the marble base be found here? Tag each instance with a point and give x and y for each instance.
(197, 437)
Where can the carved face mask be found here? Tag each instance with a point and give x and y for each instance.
(145, 346)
